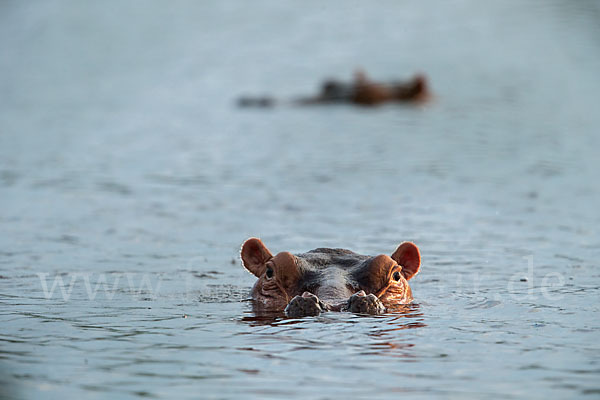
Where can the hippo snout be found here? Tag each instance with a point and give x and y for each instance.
(309, 305)
(362, 303)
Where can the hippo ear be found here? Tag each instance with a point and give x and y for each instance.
(407, 255)
(254, 256)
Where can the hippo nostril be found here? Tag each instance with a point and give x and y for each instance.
(397, 276)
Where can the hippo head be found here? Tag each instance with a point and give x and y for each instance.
(333, 90)
(417, 90)
(330, 279)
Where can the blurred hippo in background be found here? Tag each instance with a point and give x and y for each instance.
(361, 91)
(370, 93)
(326, 279)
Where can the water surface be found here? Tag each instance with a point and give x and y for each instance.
(124, 160)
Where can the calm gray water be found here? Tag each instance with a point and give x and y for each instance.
(129, 179)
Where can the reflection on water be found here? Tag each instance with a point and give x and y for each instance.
(362, 335)
(393, 316)
(128, 180)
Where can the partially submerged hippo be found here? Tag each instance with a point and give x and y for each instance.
(330, 279)
(369, 93)
(361, 91)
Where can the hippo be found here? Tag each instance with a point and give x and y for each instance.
(361, 91)
(326, 279)
(370, 93)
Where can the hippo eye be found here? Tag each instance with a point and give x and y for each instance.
(396, 276)
(269, 272)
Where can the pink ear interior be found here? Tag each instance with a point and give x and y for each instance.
(254, 256)
(407, 255)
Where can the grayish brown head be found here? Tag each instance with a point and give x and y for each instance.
(330, 278)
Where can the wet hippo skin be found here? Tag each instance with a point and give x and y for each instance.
(326, 279)
(361, 91)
